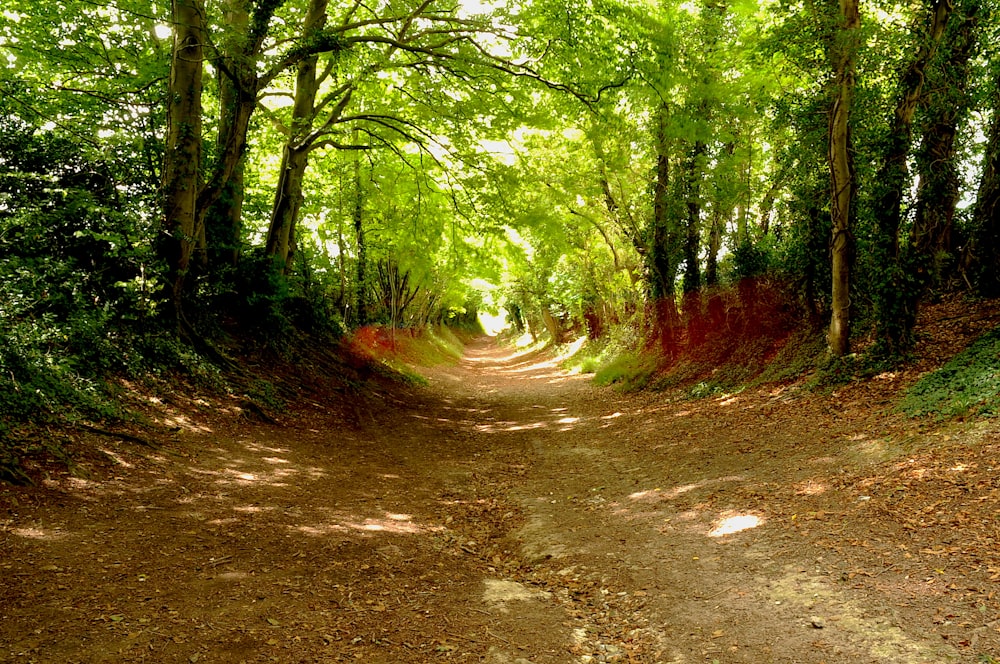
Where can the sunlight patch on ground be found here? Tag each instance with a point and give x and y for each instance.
(257, 447)
(254, 509)
(114, 457)
(811, 488)
(681, 489)
(391, 522)
(570, 349)
(509, 426)
(735, 524)
(182, 422)
(38, 533)
(499, 591)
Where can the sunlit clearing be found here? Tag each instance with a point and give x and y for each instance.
(728, 400)
(493, 324)
(611, 416)
(568, 420)
(735, 524)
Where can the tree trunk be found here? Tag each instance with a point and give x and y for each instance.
(288, 199)
(891, 183)
(182, 159)
(287, 203)
(938, 191)
(360, 287)
(982, 256)
(692, 238)
(692, 303)
(224, 222)
(842, 175)
(660, 257)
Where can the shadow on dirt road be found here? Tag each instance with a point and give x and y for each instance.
(507, 513)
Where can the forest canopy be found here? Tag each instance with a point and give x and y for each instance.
(173, 173)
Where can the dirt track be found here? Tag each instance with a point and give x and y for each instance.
(512, 513)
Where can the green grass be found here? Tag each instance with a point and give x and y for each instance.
(630, 371)
(968, 384)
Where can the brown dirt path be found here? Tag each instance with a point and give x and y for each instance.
(511, 513)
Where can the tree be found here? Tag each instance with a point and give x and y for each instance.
(842, 185)
(182, 159)
(892, 181)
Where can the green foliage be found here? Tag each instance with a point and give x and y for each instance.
(800, 355)
(751, 259)
(629, 371)
(968, 384)
(76, 292)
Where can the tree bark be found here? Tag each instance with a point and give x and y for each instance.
(661, 255)
(842, 187)
(360, 286)
(891, 183)
(982, 256)
(288, 198)
(182, 159)
(938, 191)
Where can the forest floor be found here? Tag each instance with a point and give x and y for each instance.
(512, 513)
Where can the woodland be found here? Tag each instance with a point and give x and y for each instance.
(249, 250)
(182, 184)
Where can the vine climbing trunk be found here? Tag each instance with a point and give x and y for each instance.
(661, 262)
(937, 162)
(842, 187)
(892, 181)
(982, 256)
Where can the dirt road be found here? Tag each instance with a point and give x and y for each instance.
(511, 513)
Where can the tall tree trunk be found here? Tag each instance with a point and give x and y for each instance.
(982, 256)
(360, 285)
(715, 245)
(938, 190)
(842, 186)
(660, 256)
(237, 100)
(280, 243)
(182, 160)
(692, 244)
(692, 238)
(891, 183)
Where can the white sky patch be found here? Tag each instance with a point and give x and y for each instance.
(163, 31)
(502, 151)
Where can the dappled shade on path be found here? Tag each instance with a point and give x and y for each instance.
(512, 512)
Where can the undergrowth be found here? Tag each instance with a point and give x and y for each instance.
(968, 384)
